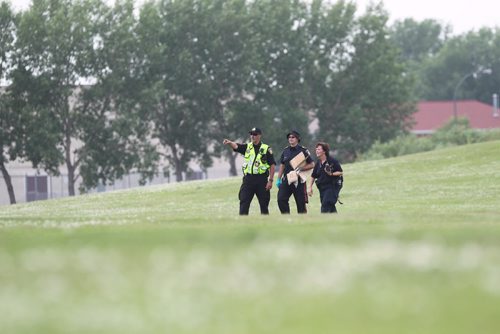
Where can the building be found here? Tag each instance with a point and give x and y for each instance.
(432, 115)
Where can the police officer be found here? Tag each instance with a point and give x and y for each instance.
(328, 175)
(298, 188)
(258, 171)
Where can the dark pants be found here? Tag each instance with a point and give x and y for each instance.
(328, 196)
(299, 193)
(254, 185)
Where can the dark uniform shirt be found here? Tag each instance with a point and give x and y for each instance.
(268, 157)
(322, 178)
(289, 153)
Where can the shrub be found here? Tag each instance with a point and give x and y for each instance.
(402, 145)
(456, 132)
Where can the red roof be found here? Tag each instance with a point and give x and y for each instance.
(432, 115)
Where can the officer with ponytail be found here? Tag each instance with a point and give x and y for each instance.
(258, 171)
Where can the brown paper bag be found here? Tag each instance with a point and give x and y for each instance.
(303, 177)
(298, 161)
(292, 177)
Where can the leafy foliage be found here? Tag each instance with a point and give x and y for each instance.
(455, 132)
(116, 139)
(419, 40)
(466, 67)
(55, 44)
(175, 100)
(364, 95)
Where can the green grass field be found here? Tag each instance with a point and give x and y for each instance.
(414, 249)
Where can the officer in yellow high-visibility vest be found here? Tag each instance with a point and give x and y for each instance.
(258, 171)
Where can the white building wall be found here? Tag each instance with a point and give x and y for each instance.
(57, 185)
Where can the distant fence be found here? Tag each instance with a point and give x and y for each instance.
(34, 187)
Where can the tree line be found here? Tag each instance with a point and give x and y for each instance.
(105, 89)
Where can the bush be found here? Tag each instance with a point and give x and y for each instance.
(402, 145)
(491, 135)
(455, 132)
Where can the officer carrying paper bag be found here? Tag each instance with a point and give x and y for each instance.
(294, 161)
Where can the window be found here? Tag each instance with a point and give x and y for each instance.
(36, 188)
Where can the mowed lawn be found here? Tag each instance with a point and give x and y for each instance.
(414, 249)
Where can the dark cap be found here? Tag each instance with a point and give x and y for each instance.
(293, 132)
(255, 131)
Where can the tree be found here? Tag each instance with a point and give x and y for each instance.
(56, 55)
(173, 36)
(7, 117)
(419, 40)
(280, 68)
(228, 61)
(116, 140)
(361, 92)
(21, 135)
(472, 57)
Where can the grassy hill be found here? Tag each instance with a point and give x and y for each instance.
(415, 249)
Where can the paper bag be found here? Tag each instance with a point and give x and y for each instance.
(303, 177)
(298, 161)
(292, 177)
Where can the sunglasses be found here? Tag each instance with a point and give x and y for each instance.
(254, 134)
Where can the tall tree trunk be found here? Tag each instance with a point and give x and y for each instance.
(178, 170)
(177, 163)
(71, 179)
(232, 164)
(8, 182)
(69, 166)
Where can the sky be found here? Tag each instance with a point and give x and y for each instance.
(462, 15)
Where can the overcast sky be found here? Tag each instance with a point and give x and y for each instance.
(462, 15)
